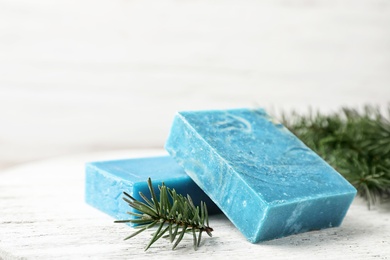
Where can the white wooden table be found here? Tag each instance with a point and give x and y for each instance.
(43, 216)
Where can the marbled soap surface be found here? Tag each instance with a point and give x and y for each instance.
(252, 143)
(263, 177)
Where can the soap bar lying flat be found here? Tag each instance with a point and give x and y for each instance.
(266, 181)
(106, 181)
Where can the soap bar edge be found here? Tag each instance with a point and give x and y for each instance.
(262, 208)
(88, 196)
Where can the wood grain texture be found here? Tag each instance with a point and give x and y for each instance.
(81, 75)
(43, 216)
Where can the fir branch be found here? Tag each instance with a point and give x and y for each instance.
(178, 214)
(356, 144)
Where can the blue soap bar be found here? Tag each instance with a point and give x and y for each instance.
(265, 180)
(107, 180)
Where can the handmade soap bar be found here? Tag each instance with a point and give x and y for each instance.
(266, 181)
(106, 181)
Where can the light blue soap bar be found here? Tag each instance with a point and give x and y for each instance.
(106, 181)
(266, 181)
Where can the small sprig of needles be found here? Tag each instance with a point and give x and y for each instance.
(176, 212)
(356, 144)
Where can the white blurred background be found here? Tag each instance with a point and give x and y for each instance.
(82, 76)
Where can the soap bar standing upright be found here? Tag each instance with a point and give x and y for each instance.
(266, 181)
(107, 180)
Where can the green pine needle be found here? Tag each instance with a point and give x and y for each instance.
(178, 214)
(356, 144)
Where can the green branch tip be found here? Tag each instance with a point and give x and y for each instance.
(355, 142)
(178, 213)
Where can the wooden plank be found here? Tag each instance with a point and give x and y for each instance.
(66, 69)
(43, 216)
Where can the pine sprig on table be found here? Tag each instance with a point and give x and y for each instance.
(176, 212)
(356, 144)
